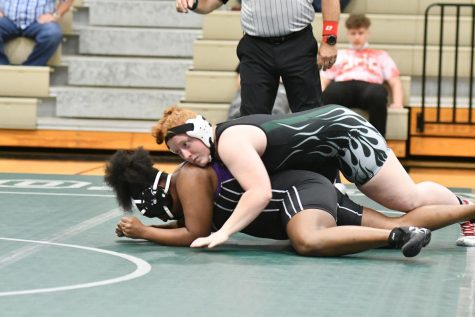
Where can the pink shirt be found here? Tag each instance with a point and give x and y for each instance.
(374, 66)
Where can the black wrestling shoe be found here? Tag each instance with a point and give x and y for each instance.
(409, 239)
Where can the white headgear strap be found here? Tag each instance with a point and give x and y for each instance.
(202, 130)
(197, 127)
(167, 185)
(154, 193)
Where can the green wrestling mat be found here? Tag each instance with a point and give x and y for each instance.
(59, 256)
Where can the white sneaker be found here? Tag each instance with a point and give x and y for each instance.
(467, 234)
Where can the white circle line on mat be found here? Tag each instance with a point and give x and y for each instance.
(142, 268)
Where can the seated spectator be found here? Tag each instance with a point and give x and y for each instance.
(281, 104)
(356, 79)
(35, 19)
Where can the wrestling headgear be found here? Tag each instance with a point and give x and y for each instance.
(197, 127)
(155, 201)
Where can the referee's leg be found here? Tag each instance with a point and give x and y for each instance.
(297, 60)
(259, 80)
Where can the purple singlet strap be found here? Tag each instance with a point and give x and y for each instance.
(223, 175)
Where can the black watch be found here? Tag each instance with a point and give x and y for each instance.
(330, 39)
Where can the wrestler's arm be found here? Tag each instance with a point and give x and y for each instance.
(134, 230)
(432, 217)
(237, 150)
(170, 225)
(196, 196)
(196, 192)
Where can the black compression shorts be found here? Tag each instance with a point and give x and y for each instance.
(313, 191)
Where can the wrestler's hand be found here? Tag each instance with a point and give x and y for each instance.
(118, 231)
(183, 5)
(210, 241)
(326, 56)
(131, 227)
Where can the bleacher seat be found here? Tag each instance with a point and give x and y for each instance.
(24, 81)
(213, 112)
(19, 48)
(18, 113)
(209, 86)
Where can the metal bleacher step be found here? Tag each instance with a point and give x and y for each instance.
(140, 13)
(447, 85)
(122, 41)
(58, 123)
(113, 103)
(127, 71)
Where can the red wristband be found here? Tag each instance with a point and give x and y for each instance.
(330, 28)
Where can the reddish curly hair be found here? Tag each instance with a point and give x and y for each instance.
(172, 116)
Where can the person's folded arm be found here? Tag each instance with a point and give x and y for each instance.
(397, 92)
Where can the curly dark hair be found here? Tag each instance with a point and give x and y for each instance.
(129, 173)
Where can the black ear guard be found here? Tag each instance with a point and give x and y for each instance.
(155, 201)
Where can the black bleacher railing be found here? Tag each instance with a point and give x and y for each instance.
(443, 62)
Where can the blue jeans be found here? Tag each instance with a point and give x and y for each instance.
(47, 37)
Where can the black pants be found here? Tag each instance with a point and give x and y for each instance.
(360, 94)
(263, 62)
